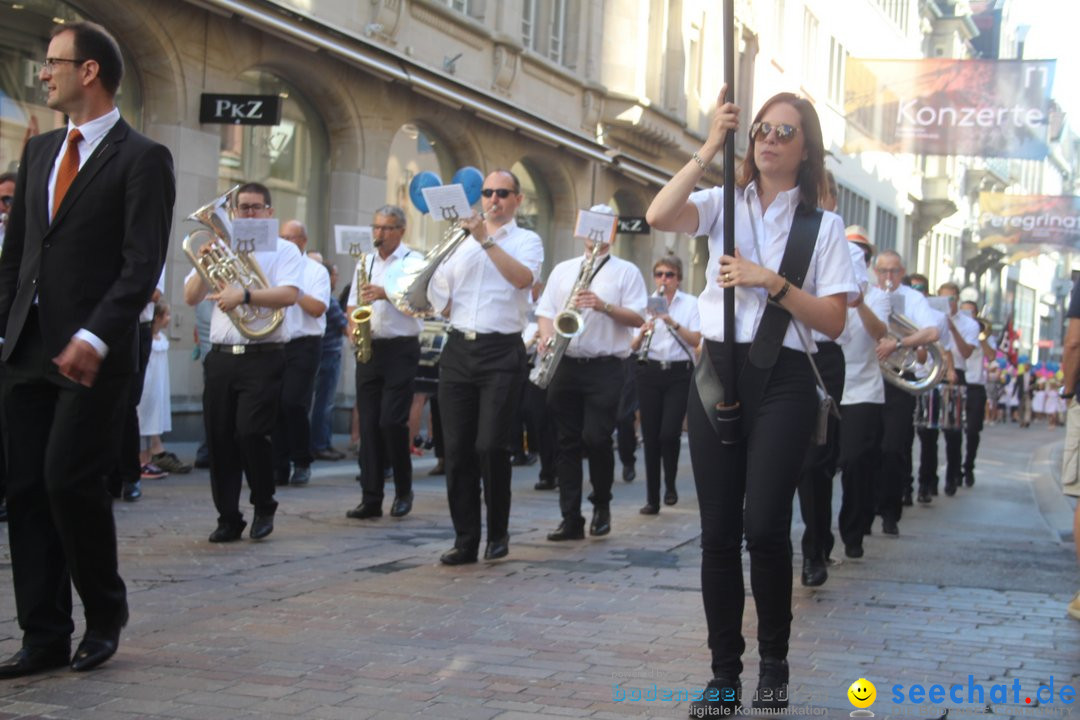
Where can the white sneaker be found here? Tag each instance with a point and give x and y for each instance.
(1074, 606)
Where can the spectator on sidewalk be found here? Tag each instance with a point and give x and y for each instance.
(154, 409)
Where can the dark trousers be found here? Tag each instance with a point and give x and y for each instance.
(816, 478)
(292, 430)
(898, 434)
(240, 407)
(976, 414)
(478, 387)
(436, 427)
(128, 468)
(59, 438)
(626, 436)
(544, 440)
(747, 488)
(384, 393)
(583, 398)
(860, 462)
(322, 405)
(662, 398)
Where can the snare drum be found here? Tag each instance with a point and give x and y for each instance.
(927, 410)
(953, 407)
(432, 339)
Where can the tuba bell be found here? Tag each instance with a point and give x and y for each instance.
(903, 360)
(210, 251)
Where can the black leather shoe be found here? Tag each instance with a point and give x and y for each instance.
(261, 526)
(907, 498)
(649, 509)
(628, 473)
(601, 521)
(30, 661)
(969, 478)
(950, 486)
(497, 548)
(457, 556)
(401, 506)
(671, 497)
(889, 527)
(227, 532)
(439, 469)
(364, 510)
(722, 697)
(924, 497)
(132, 491)
(301, 475)
(96, 647)
(853, 551)
(545, 484)
(573, 529)
(772, 687)
(814, 573)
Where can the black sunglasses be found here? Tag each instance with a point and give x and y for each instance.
(503, 193)
(784, 133)
(664, 273)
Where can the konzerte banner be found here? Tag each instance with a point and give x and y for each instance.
(987, 108)
(1027, 219)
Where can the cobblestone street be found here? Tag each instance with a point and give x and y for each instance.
(336, 618)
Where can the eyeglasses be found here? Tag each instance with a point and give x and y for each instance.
(784, 133)
(385, 228)
(253, 207)
(6, 199)
(503, 193)
(664, 273)
(50, 63)
(891, 271)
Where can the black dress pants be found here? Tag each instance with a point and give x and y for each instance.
(384, 393)
(626, 436)
(747, 489)
(127, 467)
(478, 387)
(662, 393)
(583, 398)
(292, 430)
(898, 434)
(816, 479)
(860, 462)
(542, 438)
(59, 438)
(976, 415)
(240, 407)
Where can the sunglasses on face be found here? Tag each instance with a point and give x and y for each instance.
(784, 133)
(6, 199)
(664, 273)
(503, 193)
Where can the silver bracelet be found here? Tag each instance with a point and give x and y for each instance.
(700, 163)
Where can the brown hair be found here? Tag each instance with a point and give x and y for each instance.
(670, 261)
(93, 42)
(811, 177)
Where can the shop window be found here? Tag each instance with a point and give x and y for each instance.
(535, 210)
(414, 150)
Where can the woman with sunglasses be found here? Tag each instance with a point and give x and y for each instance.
(748, 487)
(663, 380)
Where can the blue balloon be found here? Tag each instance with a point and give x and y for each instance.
(472, 180)
(1002, 362)
(422, 180)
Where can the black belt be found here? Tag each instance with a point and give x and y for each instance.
(395, 340)
(472, 336)
(245, 349)
(587, 360)
(668, 364)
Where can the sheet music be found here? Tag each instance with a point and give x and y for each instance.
(598, 227)
(658, 305)
(254, 235)
(448, 202)
(353, 239)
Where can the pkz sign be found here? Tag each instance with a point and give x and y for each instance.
(240, 109)
(633, 226)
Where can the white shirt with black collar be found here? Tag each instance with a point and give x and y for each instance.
(386, 320)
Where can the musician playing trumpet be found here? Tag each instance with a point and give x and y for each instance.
(385, 383)
(583, 396)
(665, 348)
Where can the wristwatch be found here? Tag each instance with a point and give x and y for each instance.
(1064, 395)
(488, 243)
(607, 308)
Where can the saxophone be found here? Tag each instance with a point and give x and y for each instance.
(361, 316)
(568, 324)
(220, 266)
(646, 342)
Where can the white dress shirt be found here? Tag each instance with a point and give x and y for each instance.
(683, 309)
(829, 272)
(386, 320)
(147, 314)
(283, 267)
(975, 367)
(858, 267)
(969, 330)
(862, 373)
(617, 282)
(481, 299)
(314, 282)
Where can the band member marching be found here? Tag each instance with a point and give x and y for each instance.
(384, 381)
(964, 338)
(665, 360)
(976, 393)
(583, 396)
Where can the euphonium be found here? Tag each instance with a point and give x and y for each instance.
(220, 266)
(646, 342)
(568, 324)
(903, 360)
(361, 315)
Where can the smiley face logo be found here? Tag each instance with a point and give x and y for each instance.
(862, 693)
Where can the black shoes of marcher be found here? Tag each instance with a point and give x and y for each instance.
(853, 551)
(601, 521)
(401, 506)
(950, 486)
(907, 498)
(31, 660)
(457, 556)
(628, 473)
(889, 527)
(364, 510)
(261, 526)
(496, 549)
(649, 509)
(227, 532)
(545, 484)
(772, 686)
(969, 478)
(132, 491)
(924, 497)
(523, 459)
(96, 647)
(671, 497)
(722, 697)
(301, 475)
(573, 529)
(814, 572)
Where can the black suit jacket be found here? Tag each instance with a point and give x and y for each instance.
(97, 263)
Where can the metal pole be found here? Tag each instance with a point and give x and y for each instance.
(728, 378)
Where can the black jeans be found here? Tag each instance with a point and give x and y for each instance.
(747, 488)
(384, 393)
(860, 462)
(816, 479)
(662, 397)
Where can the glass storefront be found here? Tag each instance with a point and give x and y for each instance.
(535, 212)
(414, 150)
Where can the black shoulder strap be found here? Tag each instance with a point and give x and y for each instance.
(796, 261)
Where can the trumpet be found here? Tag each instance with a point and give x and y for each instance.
(646, 339)
(361, 315)
(210, 251)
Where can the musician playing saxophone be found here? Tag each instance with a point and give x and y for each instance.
(583, 396)
(385, 384)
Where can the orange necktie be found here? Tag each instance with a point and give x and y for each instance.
(69, 168)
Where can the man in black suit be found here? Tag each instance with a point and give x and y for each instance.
(83, 250)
